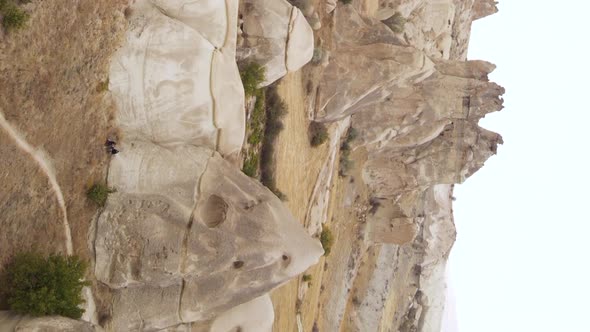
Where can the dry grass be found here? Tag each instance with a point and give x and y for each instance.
(50, 76)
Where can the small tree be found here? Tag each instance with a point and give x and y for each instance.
(396, 22)
(252, 75)
(327, 239)
(99, 193)
(13, 17)
(318, 133)
(46, 286)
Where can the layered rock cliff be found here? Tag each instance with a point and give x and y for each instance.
(415, 102)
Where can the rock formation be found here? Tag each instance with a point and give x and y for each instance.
(13, 322)
(276, 35)
(415, 103)
(187, 236)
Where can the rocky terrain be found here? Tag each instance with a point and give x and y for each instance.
(190, 243)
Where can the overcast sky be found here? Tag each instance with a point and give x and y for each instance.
(521, 261)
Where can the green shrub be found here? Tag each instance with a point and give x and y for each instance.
(257, 119)
(252, 75)
(318, 53)
(102, 86)
(99, 193)
(13, 17)
(318, 133)
(306, 277)
(275, 111)
(45, 286)
(345, 163)
(327, 239)
(250, 167)
(351, 135)
(346, 2)
(396, 22)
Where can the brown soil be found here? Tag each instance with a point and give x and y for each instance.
(50, 72)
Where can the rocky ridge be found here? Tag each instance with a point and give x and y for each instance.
(416, 103)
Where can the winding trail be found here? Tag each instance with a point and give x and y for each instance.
(39, 156)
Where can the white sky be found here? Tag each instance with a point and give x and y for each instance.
(521, 262)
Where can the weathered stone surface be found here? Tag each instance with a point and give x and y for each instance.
(277, 36)
(10, 321)
(413, 116)
(330, 5)
(367, 62)
(187, 236)
(174, 83)
(254, 316)
(236, 243)
(418, 134)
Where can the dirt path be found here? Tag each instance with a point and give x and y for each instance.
(39, 157)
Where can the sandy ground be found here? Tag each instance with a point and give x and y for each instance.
(298, 166)
(332, 278)
(49, 74)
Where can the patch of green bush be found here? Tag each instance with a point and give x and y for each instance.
(306, 277)
(99, 193)
(102, 86)
(252, 75)
(40, 286)
(250, 167)
(275, 111)
(13, 17)
(346, 2)
(327, 239)
(318, 133)
(396, 22)
(345, 163)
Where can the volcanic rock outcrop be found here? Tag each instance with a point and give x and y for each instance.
(187, 236)
(275, 35)
(415, 102)
(13, 322)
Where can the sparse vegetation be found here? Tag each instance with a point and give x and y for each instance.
(318, 133)
(345, 163)
(318, 53)
(102, 86)
(13, 17)
(252, 75)
(250, 167)
(306, 277)
(264, 126)
(39, 286)
(255, 129)
(346, 2)
(396, 22)
(375, 203)
(327, 239)
(99, 193)
(275, 111)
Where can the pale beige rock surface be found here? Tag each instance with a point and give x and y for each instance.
(367, 62)
(187, 236)
(17, 323)
(174, 84)
(254, 316)
(276, 35)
